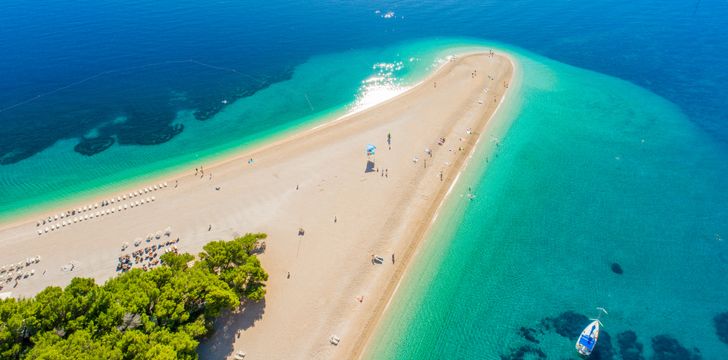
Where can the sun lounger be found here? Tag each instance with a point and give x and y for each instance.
(334, 340)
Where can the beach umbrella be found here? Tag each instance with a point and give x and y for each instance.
(371, 149)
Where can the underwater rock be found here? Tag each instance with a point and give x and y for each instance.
(15, 155)
(604, 349)
(666, 347)
(207, 111)
(568, 324)
(617, 269)
(525, 352)
(528, 334)
(721, 326)
(93, 146)
(629, 347)
(160, 137)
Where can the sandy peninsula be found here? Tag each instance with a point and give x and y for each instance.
(327, 207)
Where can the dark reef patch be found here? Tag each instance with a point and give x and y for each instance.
(160, 137)
(524, 352)
(721, 326)
(568, 324)
(528, 334)
(93, 146)
(629, 347)
(148, 98)
(617, 269)
(666, 347)
(604, 349)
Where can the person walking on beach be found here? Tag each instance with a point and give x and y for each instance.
(392, 258)
(440, 175)
(209, 228)
(334, 219)
(288, 276)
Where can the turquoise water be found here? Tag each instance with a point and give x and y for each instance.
(593, 171)
(140, 88)
(323, 87)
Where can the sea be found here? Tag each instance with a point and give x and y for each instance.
(606, 187)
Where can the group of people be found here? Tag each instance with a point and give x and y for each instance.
(147, 257)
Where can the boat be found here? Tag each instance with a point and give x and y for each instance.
(588, 338)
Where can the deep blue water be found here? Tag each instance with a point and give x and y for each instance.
(113, 77)
(676, 49)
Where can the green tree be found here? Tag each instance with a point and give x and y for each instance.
(155, 314)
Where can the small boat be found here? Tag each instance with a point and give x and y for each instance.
(589, 336)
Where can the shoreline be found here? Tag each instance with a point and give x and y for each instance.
(364, 342)
(316, 279)
(216, 159)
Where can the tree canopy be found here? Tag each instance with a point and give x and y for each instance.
(156, 314)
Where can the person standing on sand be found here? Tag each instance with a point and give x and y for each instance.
(288, 276)
(392, 258)
(209, 228)
(334, 219)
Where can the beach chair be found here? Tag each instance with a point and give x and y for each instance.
(334, 340)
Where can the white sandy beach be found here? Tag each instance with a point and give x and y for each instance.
(317, 180)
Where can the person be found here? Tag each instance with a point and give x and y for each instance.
(288, 276)
(209, 228)
(296, 186)
(441, 175)
(334, 219)
(392, 258)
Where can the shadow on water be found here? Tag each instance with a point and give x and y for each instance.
(569, 325)
(219, 344)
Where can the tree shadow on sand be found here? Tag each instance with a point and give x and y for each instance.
(219, 344)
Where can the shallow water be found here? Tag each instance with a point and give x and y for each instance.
(151, 86)
(593, 171)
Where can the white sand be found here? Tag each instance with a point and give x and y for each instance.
(330, 266)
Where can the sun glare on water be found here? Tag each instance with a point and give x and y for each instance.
(380, 87)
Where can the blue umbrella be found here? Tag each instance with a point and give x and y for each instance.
(370, 149)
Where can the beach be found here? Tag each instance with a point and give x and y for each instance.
(328, 206)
